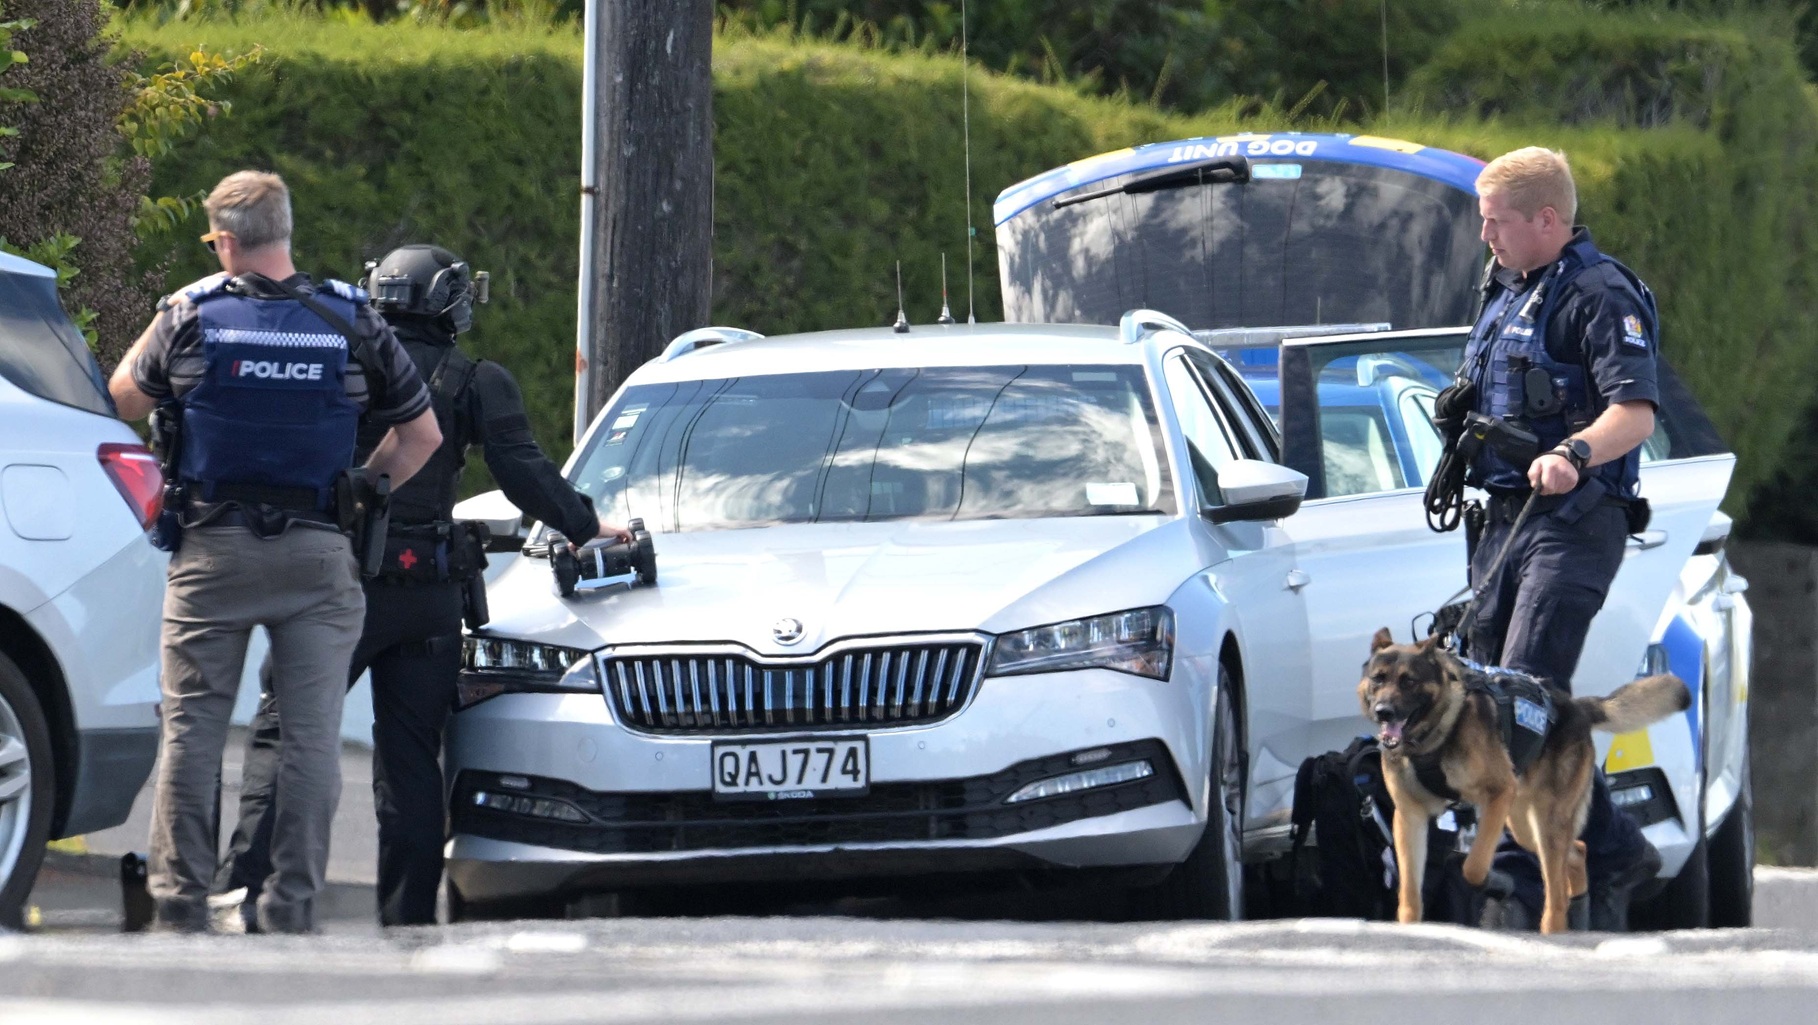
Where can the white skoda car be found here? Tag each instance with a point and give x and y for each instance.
(80, 588)
(1006, 598)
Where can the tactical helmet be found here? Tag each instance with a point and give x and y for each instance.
(425, 281)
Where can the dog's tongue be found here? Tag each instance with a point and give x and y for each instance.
(1391, 732)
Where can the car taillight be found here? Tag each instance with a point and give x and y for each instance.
(134, 471)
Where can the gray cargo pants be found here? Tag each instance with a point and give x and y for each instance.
(303, 586)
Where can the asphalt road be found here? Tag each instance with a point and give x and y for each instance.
(820, 969)
(953, 959)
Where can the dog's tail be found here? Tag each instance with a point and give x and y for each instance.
(1638, 704)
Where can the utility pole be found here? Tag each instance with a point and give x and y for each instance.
(646, 188)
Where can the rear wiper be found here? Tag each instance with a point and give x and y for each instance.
(1216, 171)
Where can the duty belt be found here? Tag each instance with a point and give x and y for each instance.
(264, 520)
(430, 553)
(1504, 506)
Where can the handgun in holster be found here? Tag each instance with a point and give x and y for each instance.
(167, 444)
(363, 511)
(474, 611)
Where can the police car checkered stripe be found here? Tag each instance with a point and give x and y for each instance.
(279, 339)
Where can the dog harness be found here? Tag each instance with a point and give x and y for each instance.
(1524, 711)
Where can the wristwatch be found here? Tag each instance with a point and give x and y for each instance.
(1576, 451)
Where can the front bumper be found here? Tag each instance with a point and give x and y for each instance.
(935, 805)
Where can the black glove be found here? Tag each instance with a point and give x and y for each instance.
(1450, 408)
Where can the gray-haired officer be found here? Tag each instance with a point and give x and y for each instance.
(414, 607)
(271, 377)
(1565, 347)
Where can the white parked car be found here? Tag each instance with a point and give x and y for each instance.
(965, 599)
(81, 588)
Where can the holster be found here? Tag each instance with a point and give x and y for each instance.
(363, 512)
(167, 443)
(474, 611)
(1640, 514)
(1473, 526)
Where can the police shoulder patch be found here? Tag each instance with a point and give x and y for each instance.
(1632, 333)
(196, 291)
(352, 293)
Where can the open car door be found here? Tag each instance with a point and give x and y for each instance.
(1355, 414)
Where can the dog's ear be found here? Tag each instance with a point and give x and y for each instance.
(1429, 644)
(1383, 639)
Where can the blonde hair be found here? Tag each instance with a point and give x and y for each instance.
(1532, 178)
(252, 206)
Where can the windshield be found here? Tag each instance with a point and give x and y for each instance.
(941, 443)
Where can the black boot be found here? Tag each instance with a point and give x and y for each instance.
(1502, 910)
(1610, 896)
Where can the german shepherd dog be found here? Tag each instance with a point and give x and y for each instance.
(1430, 707)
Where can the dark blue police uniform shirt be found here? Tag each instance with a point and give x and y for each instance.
(1598, 321)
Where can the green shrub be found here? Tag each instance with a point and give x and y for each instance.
(70, 197)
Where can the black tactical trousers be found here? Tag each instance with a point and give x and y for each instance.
(1534, 619)
(412, 644)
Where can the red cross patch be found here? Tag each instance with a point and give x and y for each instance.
(408, 558)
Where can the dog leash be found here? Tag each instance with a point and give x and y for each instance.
(1470, 611)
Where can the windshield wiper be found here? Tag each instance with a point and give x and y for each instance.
(1216, 171)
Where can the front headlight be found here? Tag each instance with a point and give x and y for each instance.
(1140, 641)
(499, 665)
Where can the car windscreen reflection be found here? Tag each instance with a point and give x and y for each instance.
(944, 443)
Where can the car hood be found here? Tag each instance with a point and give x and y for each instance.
(861, 579)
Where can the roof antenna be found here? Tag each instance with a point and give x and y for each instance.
(902, 319)
(966, 120)
(1385, 55)
(946, 316)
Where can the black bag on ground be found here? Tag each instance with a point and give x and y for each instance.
(1343, 845)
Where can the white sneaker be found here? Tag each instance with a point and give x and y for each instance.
(229, 913)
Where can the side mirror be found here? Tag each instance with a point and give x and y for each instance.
(505, 520)
(1256, 490)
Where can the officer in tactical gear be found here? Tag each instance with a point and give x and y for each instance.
(414, 607)
(1562, 357)
(273, 377)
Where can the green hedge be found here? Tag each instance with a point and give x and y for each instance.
(832, 162)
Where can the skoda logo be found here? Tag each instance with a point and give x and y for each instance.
(787, 631)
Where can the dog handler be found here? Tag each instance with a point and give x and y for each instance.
(271, 377)
(1564, 348)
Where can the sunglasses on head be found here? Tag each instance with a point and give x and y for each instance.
(209, 239)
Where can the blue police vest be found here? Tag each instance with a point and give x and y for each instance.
(271, 412)
(1513, 329)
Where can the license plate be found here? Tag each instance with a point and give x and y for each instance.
(780, 770)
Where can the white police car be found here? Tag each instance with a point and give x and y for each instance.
(80, 588)
(1261, 232)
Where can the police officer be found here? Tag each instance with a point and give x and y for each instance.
(1564, 348)
(412, 638)
(272, 377)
